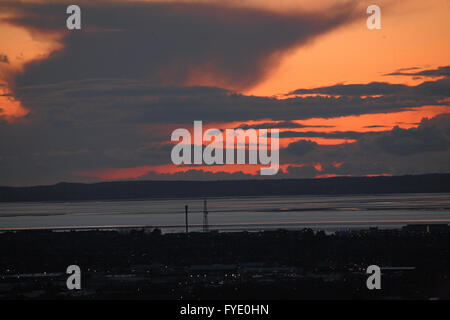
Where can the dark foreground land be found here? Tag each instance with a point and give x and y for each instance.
(250, 265)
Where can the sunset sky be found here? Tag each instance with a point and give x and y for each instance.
(100, 103)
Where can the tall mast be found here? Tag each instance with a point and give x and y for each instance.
(205, 217)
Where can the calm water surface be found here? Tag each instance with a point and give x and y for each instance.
(251, 213)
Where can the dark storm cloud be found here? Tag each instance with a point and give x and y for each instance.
(112, 95)
(301, 147)
(426, 138)
(332, 135)
(438, 88)
(118, 123)
(272, 125)
(375, 126)
(282, 124)
(302, 172)
(199, 175)
(4, 58)
(373, 88)
(171, 43)
(48, 152)
(407, 69)
(418, 150)
(439, 72)
(135, 101)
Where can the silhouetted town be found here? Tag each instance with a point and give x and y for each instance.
(281, 264)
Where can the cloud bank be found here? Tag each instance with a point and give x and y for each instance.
(109, 99)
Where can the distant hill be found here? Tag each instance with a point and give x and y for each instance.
(187, 189)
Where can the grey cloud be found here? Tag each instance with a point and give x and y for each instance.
(439, 88)
(171, 43)
(303, 172)
(425, 149)
(47, 156)
(407, 69)
(331, 135)
(375, 126)
(4, 58)
(134, 101)
(358, 168)
(119, 123)
(101, 102)
(279, 125)
(373, 88)
(427, 137)
(438, 72)
(301, 147)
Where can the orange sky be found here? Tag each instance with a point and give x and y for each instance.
(136, 172)
(414, 33)
(20, 47)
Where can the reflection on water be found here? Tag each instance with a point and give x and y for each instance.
(324, 212)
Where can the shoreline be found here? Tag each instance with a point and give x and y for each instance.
(234, 227)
